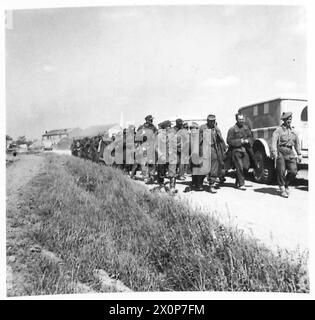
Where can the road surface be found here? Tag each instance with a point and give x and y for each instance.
(259, 211)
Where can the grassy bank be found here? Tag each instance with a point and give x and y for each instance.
(93, 217)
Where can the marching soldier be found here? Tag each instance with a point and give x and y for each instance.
(129, 148)
(96, 145)
(166, 155)
(240, 139)
(73, 148)
(185, 148)
(84, 148)
(139, 160)
(221, 149)
(182, 148)
(102, 147)
(78, 148)
(118, 151)
(210, 138)
(93, 148)
(284, 139)
(147, 133)
(195, 161)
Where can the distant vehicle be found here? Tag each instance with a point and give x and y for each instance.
(264, 118)
(12, 148)
(47, 145)
(23, 148)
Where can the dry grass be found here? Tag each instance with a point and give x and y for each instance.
(93, 217)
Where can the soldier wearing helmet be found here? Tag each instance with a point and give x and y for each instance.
(284, 141)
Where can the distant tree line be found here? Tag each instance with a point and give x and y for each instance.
(20, 140)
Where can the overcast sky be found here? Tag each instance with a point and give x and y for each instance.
(78, 67)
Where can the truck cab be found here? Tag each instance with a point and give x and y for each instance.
(263, 118)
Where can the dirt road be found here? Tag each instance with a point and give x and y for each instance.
(18, 174)
(259, 211)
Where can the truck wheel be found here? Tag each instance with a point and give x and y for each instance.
(264, 173)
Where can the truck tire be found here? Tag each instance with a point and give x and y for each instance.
(264, 173)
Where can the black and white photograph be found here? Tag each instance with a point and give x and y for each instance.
(156, 148)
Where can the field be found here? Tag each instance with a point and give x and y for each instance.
(82, 227)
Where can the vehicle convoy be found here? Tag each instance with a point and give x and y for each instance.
(264, 118)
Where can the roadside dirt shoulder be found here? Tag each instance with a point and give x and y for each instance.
(18, 175)
(22, 222)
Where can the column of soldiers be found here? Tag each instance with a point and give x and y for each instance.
(175, 151)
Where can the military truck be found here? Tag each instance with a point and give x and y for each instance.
(263, 118)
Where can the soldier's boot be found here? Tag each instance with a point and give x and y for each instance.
(161, 185)
(160, 182)
(287, 190)
(192, 185)
(199, 183)
(283, 193)
(150, 180)
(172, 185)
(211, 187)
(222, 178)
(194, 182)
(133, 171)
(236, 184)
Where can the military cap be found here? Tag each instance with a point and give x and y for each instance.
(185, 125)
(179, 120)
(211, 117)
(149, 117)
(167, 123)
(286, 115)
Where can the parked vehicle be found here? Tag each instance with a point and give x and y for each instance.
(264, 118)
(47, 145)
(12, 148)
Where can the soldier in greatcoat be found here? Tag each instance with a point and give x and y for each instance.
(147, 134)
(210, 138)
(166, 150)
